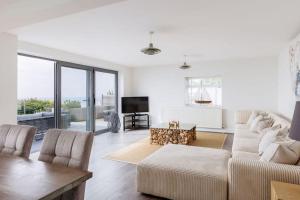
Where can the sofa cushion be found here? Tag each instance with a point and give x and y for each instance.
(245, 144)
(184, 172)
(245, 155)
(287, 152)
(241, 126)
(246, 133)
(242, 116)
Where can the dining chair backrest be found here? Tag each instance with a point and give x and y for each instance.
(68, 148)
(16, 139)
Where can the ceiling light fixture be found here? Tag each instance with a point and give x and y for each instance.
(185, 65)
(151, 50)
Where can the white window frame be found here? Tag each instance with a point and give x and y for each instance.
(189, 99)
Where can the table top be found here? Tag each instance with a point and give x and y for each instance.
(285, 191)
(24, 179)
(182, 126)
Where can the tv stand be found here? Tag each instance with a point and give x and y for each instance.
(136, 121)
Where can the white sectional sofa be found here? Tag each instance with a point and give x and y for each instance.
(197, 173)
(248, 177)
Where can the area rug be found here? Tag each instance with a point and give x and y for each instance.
(142, 148)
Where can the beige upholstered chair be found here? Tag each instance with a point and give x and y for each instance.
(16, 139)
(68, 148)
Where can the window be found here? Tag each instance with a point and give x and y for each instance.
(204, 91)
(36, 94)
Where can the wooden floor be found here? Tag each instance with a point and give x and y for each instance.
(114, 180)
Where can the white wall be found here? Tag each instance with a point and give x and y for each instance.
(286, 96)
(8, 78)
(247, 84)
(123, 71)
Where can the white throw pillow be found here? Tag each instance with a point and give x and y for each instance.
(251, 118)
(283, 133)
(270, 137)
(295, 146)
(263, 114)
(287, 152)
(254, 124)
(264, 123)
(265, 130)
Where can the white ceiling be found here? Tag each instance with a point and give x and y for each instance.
(204, 29)
(16, 13)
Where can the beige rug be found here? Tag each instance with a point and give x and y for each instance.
(142, 148)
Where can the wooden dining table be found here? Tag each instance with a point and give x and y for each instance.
(25, 179)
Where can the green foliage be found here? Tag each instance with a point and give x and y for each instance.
(68, 104)
(31, 106)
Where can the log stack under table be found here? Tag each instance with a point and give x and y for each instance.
(164, 136)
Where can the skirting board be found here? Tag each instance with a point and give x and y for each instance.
(217, 130)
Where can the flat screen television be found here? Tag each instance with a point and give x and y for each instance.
(135, 104)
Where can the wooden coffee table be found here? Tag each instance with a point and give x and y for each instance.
(161, 134)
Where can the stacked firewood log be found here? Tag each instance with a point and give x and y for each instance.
(175, 136)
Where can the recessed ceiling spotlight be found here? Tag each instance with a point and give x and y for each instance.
(151, 50)
(185, 65)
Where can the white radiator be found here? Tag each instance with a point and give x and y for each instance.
(202, 116)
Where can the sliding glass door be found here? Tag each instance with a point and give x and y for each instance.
(75, 98)
(105, 97)
(86, 97)
(56, 94)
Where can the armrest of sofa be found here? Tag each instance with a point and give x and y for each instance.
(242, 116)
(251, 179)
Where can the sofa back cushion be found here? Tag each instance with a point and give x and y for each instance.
(284, 123)
(242, 116)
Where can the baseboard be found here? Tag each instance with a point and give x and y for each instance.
(218, 130)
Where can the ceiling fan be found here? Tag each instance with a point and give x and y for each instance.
(151, 50)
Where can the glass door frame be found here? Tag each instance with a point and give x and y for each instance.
(94, 95)
(89, 91)
(91, 126)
